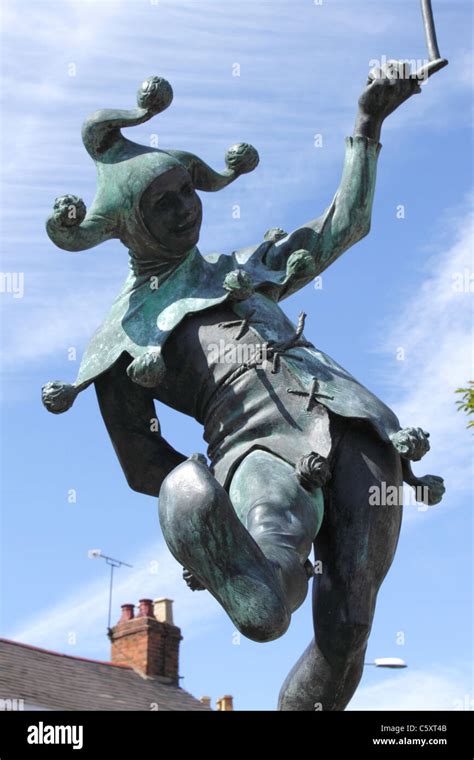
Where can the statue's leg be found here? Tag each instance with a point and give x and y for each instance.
(356, 545)
(205, 535)
(250, 555)
(282, 517)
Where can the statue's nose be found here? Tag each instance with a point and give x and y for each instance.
(185, 209)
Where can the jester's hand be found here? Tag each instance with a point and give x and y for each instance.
(388, 86)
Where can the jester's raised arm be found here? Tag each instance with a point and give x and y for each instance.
(347, 219)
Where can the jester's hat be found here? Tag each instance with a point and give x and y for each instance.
(125, 169)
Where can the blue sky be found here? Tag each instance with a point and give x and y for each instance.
(302, 67)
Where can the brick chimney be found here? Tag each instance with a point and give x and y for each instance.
(225, 703)
(148, 644)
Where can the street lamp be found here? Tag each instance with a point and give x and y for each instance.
(96, 554)
(388, 662)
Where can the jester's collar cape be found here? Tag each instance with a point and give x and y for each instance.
(162, 289)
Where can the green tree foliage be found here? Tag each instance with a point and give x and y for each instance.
(467, 401)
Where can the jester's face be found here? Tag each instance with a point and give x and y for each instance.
(172, 210)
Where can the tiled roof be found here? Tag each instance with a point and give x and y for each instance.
(59, 682)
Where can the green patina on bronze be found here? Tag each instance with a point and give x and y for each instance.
(290, 432)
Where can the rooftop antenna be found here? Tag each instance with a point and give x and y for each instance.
(95, 554)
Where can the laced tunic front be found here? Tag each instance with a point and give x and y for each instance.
(221, 370)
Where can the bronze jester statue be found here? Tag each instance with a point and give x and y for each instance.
(295, 443)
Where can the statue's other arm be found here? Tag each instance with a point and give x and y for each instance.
(347, 220)
(128, 411)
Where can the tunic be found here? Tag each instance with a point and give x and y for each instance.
(263, 405)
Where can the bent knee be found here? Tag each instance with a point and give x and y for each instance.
(188, 481)
(271, 626)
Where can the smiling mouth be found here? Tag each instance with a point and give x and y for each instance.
(183, 228)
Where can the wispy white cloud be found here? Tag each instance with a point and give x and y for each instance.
(433, 327)
(52, 326)
(439, 688)
(83, 613)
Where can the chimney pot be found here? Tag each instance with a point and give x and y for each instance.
(225, 703)
(127, 612)
(145, 608)
(146, 644)
(205, 701)
(163, 609)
